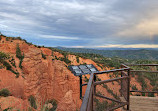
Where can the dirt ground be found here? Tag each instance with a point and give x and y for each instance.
(139, 103)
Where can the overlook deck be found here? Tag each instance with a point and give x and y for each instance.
(139, 103)
(127, 102)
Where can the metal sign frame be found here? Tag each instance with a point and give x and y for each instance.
(79, 70)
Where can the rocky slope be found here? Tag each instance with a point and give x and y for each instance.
(45, 79)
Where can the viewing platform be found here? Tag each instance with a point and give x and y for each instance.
(124, 101)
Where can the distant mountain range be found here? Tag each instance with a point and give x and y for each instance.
(127, 53)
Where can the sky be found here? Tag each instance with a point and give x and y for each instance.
(82, 23)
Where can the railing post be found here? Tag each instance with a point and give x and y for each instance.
(128, 91)
(121, 81)
(80, 86)
(93, 84)
(92, 93)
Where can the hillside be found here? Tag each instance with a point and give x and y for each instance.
(32, 76)
(147, 54)
(35, 77)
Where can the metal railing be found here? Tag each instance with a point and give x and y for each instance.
(143, 71)
(87, 104)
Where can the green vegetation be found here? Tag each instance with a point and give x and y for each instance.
(134, 87)
(77, 59)
(152, 77)
(12, 61)
(4, 92)
(19, 55)
(32, 102)
(43, 56)
(65, 59)
(86, 79)
(135, 54)
(110, 91)
(54, 104)
(97, 78)
(7, 38)
(115, 62)
(100, 66)
(151, 95)
(3, 56)
(100, 106)
(142, 81)
(7, 65)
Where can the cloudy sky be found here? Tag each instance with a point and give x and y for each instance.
(82, 23)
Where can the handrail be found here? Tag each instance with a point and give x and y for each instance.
(87, 95)
(142, 64)
(144, 91)
(124, 65)
(144, 71)
(114, 70)
(87, 104)
(108, 98)
(110, 80)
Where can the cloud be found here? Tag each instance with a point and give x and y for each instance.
(119, 46)
(96, 22)
(59, 37)
(146, 27)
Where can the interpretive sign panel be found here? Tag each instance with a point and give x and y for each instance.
(79, 70)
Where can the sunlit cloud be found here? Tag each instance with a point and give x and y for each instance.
(59, 37)
(119, 46)
(145, 28)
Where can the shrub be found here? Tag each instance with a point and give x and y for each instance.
(77, 59)
(100, 106)
(54, 104)
(17, 73)
(99, 66)
(143, 94)
(13, 63)
(32, 102)
(134, 87)
(43, 56)
(97, 78)
(7, 38)
(21, 60)
(142, 81)
(3, 56)
(65, 59)
(86, 79)
(19, 55)
(150, 94)
(4, 92)
(18, 52)
(19, 38)
(7, 65)
(110, 91)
